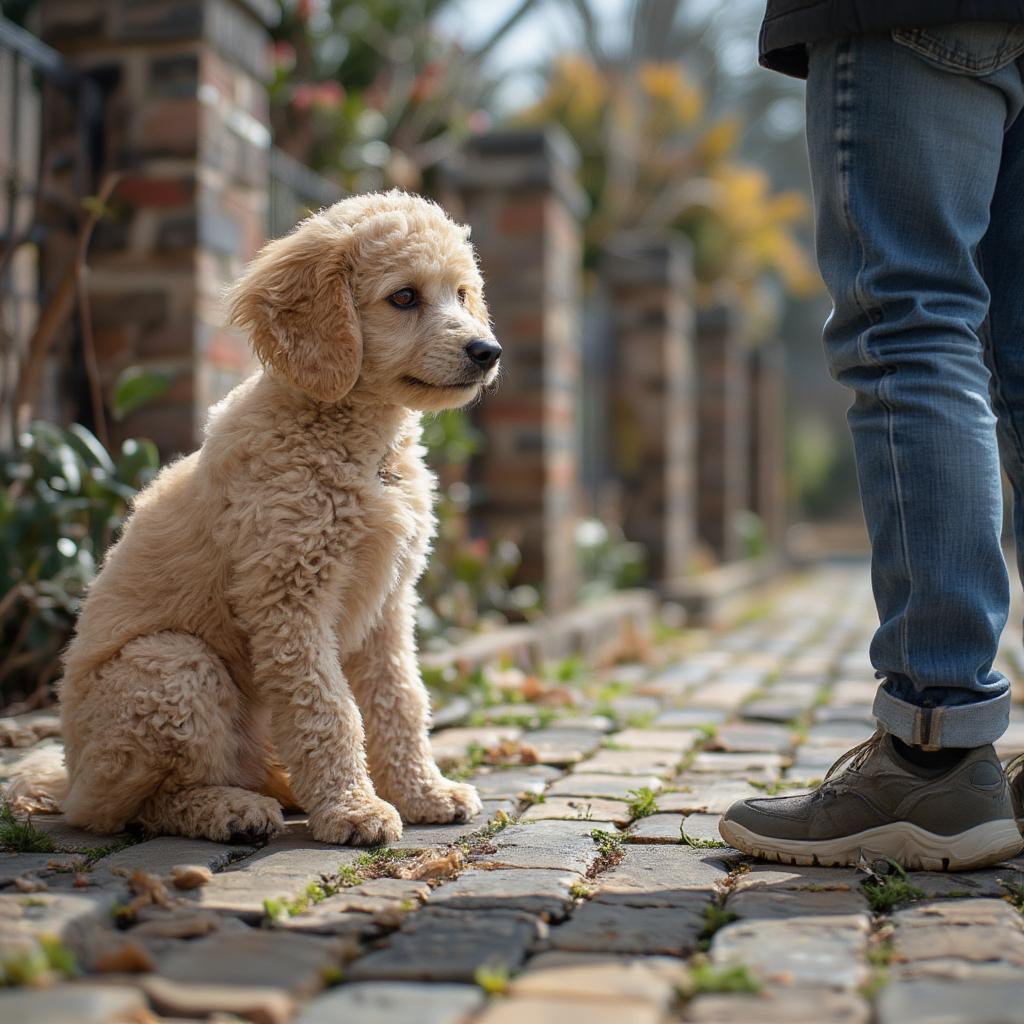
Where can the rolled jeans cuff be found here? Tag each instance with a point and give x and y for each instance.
(962, 725)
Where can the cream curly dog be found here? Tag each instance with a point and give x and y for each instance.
(257, 613)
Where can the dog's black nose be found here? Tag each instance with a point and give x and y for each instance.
(484, 352)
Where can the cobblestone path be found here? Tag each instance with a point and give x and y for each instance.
(594, 888)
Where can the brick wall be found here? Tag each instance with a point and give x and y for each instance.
(651, 395)
(723, 426)
(519, 193)
(767, 441)
(186, 128)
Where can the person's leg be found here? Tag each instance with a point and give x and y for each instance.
(1001, 258)
(905, 156)
(1002, 262)
(905, 160)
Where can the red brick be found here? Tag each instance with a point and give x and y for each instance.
(162, 192)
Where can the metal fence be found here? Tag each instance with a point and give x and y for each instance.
(46, 171)
(295, 191)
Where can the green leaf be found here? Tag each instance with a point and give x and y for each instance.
(88, 446)
(139, 460)
(137, 387)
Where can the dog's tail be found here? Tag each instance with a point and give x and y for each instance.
(39, 782)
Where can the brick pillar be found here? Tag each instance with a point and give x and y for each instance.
(519, 192)
(723, 409)
(649, 285)
(186, 127)
(767, 441)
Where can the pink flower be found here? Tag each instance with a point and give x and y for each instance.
(303, 96)
(283, 54)
(329, 95)
(427, 81)
(479, 121)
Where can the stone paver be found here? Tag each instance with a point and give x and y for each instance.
(543, 891)
(635, 931)
(600, 976)
(395, 1003)
(514, 782)
(701, 829)
(158, 856)
(523, 899)
(705, 794)
(563, 746)
(579, 808)
(540, 1010)
(982, 931)
(661, 763)
(437, 945)
(781, 1006)
(676, 740)
(657, 876)
(783, 905)
(619, 787)
(544, 844)
(657, 828)
(954, 1001)
(829, 951)
(73, 1004)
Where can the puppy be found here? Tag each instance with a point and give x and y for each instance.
(250, 638)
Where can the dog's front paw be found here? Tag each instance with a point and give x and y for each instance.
(443, 801)
(368, 821)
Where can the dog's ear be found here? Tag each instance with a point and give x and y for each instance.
(295, 298)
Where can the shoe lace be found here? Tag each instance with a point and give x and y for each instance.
(849, 763)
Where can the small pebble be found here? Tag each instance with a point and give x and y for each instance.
(190, 876)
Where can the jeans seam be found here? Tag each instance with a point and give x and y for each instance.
(901, 514)
(843, 101)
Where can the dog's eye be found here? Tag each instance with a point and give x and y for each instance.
(404, 298)
(463, 295)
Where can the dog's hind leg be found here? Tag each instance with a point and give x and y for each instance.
(226, 814)
(158, 737)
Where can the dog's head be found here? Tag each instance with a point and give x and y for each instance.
(380, 296)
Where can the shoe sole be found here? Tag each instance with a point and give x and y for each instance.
(909, 845)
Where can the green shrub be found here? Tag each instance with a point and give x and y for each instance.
(63, 499)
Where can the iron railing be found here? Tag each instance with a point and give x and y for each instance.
(34, 156)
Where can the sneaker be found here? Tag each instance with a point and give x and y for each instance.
(874, 804)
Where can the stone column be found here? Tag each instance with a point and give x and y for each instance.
(186, 128)
(768, 440)
(519, 193)
(723, 410)
(651, 395)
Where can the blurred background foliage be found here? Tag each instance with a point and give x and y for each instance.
(63, 499)
(676, 125)
(677, 129)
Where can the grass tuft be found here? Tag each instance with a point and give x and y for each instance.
(492, 978)
(609, 850)
(642, 802)
(1014, 893)
(885, 892)
(707, 979)
(580, 891)
(36, 966)
(19, 836)
(716, 917)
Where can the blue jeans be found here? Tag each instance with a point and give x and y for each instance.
(916, 144)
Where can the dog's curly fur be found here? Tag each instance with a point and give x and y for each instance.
(257, 615)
